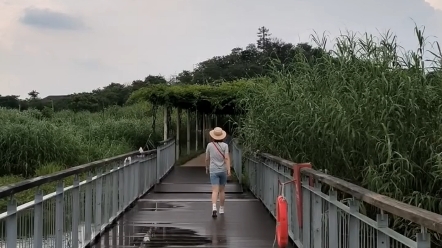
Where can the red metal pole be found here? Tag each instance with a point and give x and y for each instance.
(298, 193)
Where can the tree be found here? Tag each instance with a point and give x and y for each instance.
(155, 80)
(33, 94)
(138, 84)
(11, 102)
(263, 38)
(86, 102)
(113, 94)
(185, 77)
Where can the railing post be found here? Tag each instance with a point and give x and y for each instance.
(306, 207)
(317, 217)
(236, 159)
(59, 221)
(136, 180)
(88, 209)
(423, 239)
(146, 174)
(114, 191)
(114, 236)
(233, 155)
(98, 197)
(298, 192)
(136, 175)
(126, 186)
(158, 164)
(333, 224)
(107, 188)
(120, 188)
(383, 241)
(38, 220)
(354, 225)
(11, 224)
(75, 211)
(121, 233)
(174, 152)
(141, 178)
(239, 159)
(133, 182)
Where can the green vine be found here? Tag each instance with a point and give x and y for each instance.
(210, 99)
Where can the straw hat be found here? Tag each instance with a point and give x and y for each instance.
(217, 133)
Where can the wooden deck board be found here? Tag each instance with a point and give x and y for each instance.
(194, 188)
(196, 162)
(191, 174)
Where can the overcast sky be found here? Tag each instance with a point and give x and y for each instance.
(60, 47)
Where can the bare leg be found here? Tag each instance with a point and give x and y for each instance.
(222, 195)
(215, 191)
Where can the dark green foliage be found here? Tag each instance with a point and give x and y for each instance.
(218, 99)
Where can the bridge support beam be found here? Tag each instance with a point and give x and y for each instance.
(165, 127)
(188, 131)
(178, 124)
(196, 130)
(204, 129)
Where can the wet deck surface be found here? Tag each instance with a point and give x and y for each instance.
(196, 162)
(183, 219)
(194, 188)
(192, 175)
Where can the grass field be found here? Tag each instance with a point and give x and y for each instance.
(34, 144)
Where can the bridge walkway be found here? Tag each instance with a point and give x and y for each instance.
(177, 213)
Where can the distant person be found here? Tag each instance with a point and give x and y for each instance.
(218, 166)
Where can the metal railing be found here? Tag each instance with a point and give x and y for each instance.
(87, 199)
(327, 212)
(236, 159)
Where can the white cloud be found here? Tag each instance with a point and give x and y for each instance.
(127, 40)
(437, 4)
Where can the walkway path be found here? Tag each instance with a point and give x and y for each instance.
(178, 214)
(196, 162)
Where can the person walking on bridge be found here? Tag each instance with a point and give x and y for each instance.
(218, 167)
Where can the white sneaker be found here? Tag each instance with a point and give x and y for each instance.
(214, 211)
(221, 210)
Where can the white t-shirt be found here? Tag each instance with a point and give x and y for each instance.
(217, 162)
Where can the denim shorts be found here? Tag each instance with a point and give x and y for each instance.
(218, 178)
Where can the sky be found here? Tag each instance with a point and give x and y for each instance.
(61, 47)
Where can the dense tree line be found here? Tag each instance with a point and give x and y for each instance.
(256, 59)
(97, 100)
(249, 62)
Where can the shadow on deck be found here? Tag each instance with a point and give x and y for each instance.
(177, 213)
